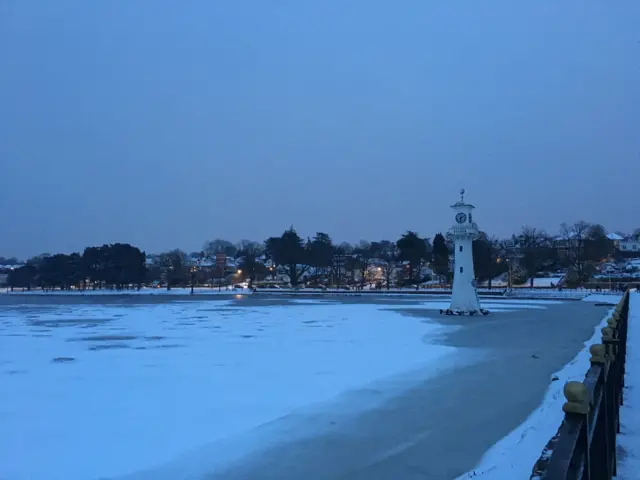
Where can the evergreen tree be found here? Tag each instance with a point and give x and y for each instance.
(321, 254)
(289, 251)
(440, 256)
(415, 251)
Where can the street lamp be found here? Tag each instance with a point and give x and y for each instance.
(498, 261)
(169, 277)
(193, 277)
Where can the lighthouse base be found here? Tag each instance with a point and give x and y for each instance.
(471, 313)
(464, 297)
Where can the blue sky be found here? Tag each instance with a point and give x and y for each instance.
(166, 123)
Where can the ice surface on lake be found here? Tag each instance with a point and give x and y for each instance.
(186, 388)
(101, 391)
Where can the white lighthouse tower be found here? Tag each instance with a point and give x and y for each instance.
(464, 298)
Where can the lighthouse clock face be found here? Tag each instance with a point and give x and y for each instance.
(461, 217)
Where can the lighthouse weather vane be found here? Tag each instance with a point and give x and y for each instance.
(462, 194)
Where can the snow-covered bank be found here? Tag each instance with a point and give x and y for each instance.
(513, 457)
(516, 293)
(142, 291)
(610, 298)
(548, 293)
(629, 438)
(101, 391)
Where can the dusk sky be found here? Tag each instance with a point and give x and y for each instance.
(167, 123)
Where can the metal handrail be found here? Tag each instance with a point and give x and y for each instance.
(584, 448)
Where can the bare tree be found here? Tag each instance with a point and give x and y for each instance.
(341, 262)
(536, 251)
(219, 246)
(245, 246)
(573, 237)
(364, 255)
(575, 255)
(387, 254)
(247, 255)
(174, 263)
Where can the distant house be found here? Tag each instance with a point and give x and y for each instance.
(616, 239)
(574, 242)
(630, 244)
(209, 264)
(202, 262)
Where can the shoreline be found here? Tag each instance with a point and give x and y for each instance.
(201, 293)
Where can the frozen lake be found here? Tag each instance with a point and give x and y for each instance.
(153, 388)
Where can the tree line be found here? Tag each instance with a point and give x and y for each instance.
(115, 266)
(319, 259)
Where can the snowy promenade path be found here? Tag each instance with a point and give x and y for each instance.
(629, 438)
(270, 388)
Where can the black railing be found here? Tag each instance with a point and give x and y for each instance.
(584, 448)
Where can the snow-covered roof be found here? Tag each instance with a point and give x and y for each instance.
(572, 235)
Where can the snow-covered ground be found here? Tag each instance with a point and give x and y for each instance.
(574, 294)
(513, 457)
(538, 282)
(629, 438)
(520, 292)
(545, 281)
(104, 391)
(605, 297)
